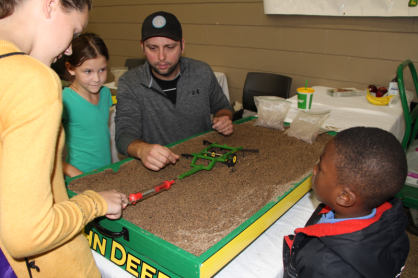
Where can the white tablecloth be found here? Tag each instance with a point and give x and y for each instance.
(348, 112)
(220, 76)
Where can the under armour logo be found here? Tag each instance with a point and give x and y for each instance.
(197, 92)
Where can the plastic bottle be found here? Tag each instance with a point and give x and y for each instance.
(412, 159)
(393, 87)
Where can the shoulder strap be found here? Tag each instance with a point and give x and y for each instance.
(11, 54)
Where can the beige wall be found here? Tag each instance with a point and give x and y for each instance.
(236, 37)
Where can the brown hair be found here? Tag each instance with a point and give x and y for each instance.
(372, 161)
(7, 7)
(86, 46)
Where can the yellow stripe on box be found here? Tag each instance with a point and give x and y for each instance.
(212, 265)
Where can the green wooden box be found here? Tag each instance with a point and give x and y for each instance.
(143, 254)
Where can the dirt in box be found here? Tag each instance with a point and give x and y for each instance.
(203, 208)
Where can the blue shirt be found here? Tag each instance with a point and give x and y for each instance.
(329, 217)
(87, 135)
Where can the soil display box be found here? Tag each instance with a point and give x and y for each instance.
(206, 219)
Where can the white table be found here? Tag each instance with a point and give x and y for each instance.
(348, 112)
(220, 76)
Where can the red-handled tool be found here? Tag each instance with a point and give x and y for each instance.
(133, 198)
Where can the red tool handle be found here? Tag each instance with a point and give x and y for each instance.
(135, 197)
(166, 185)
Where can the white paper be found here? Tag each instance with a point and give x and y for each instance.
(341, 7)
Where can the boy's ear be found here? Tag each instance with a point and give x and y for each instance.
(70, 68)
(346, 197)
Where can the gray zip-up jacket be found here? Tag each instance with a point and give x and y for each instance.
(144, 112)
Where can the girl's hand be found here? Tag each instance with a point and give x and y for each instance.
(116, 202)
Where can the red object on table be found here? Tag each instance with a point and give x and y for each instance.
(381, 92)
(135, 197)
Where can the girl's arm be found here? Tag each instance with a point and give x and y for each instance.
(34, 200)
(70, 170)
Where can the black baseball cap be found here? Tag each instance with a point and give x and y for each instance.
(161, 24)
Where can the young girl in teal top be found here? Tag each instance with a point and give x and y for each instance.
(86, 107)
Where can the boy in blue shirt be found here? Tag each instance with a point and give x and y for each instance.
(359, 230)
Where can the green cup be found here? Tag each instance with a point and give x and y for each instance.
(305, 97)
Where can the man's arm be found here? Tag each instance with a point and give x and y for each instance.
(128, 117)
(153, 156)
(223, 112)
(128, 122)
(222, 122)
(220, 107)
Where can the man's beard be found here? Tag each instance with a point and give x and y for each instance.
(170, 70)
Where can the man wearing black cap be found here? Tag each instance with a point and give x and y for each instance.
(167, 99)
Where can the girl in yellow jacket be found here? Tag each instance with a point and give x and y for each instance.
(40, 228)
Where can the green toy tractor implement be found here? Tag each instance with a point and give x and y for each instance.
(214, 153)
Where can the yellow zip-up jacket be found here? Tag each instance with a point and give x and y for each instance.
(37, 220)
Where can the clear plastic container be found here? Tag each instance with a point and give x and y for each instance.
(412, 159)
(393, 87)
(345, 92)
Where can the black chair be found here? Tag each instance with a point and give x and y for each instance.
(264, 84)
(134, 62)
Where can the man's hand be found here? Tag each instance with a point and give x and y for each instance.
(223, 125)
(153, 156)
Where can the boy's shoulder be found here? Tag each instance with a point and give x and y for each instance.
(389, 213)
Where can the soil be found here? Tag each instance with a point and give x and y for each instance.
(203, 208)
